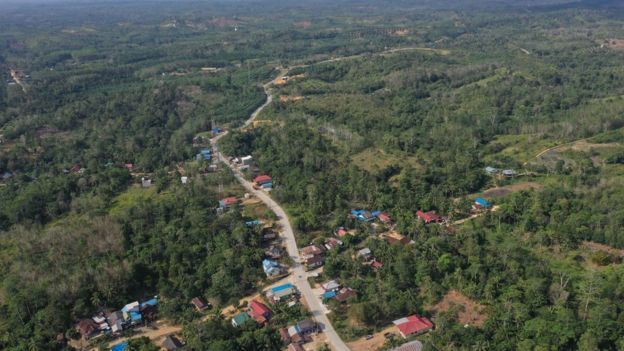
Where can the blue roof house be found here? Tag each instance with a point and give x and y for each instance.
(120, 347)
(253, 223)
(482, 202)
(329, 295)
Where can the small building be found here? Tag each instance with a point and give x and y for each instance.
(253, 223)
(87, 328)
(204, 154)
(281, 292)
(384, 217)
(129, 166)
(146, 182)
(246, 160)
(344, 294)
(341, 232)
(240, 319)
(376, 264)
(413, 325)
(120, 347)
(184, 179)
(509, 173)
(216, 130)
(200, 303)
(329, 295)
(410, 346)
(274, 252)
(272, 268)
(262, 179)
(284, 336)
(365, 254)
(259, 312)
(429, 217)
(307, 327)
(172, 343)
(314, 262)
(295, 347)
(312, 250)
(482, 202)
(363, 215)
(332, 243)
(491, 170)
(331, 285)
(227, 202)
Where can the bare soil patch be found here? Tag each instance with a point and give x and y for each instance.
(615, 43)
(604, 248)
(506, 190)
(373, 344)
(222, 21)
(472, 313)
(303, 24)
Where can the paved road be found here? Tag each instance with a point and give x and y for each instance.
(299, 274)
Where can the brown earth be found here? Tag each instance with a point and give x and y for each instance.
(303, 24)
(472, 313)
(615, 43)
(604, 248)
(222, 21)
(506, 190)
(375, 343)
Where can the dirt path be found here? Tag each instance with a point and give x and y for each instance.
(460, 221)
(375, 343)
(155, 332)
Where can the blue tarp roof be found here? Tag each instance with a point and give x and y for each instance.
(135, 316)
(357, 212)
(151, 302)
(268, 264)
(329, 295)
(282, 287)
(375, 213)
(120, 347)
(252, 223)
(483, 202)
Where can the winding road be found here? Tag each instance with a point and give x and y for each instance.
(299, 274)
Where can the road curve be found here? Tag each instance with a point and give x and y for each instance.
(299, 274)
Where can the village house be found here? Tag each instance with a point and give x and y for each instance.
(228, 202)
(365, 254)
(274, 252)
(509, 173)
(259, 312)
(330, 285)
(240, 319)
(172, 343)
(263, 181)
(146, 182)
(246, 160)
(284, 336)
(363, 215)
(376, 264)
(204, 154)
(314, 262)
(340, 232)
(281, 293)
(268, 233)
(491, 170)
(87, 328)
(199, 303)
(429, 217)
(295, 347)
(116, 321)
(413, 325)
(344, 294)
(410, 346)
(272, 268)
(384, 217)
(312, 250)
(332, 243)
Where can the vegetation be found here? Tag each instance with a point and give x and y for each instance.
(106, 98)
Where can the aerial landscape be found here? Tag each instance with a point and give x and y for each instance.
(259, 175)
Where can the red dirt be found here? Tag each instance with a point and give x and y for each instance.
(615, 43)
(472, 313)
(506, 190)
(223, 22)
(303, 24)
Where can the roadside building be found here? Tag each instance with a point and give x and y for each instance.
(240, 319)
(314, 262)
(330, 285)
(199, 303)
(281, 292)
(429, 217)
(259, 312)
(228, 202)
(413, 325)
(410, 346)
(246, 160)
(172, 343)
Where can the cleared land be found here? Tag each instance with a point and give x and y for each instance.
(472, 313)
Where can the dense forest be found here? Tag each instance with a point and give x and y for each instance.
(93, 99)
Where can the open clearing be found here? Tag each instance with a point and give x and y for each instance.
(615, 43)
(374, 160)
(373, 344)
(506, 190)
(472, 313)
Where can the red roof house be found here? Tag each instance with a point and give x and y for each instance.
(376, 264)
(228, 201)
(384, 217)
(262, 179)
(259, 311)
(413, 325)
(341, 232)
(429, 217)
